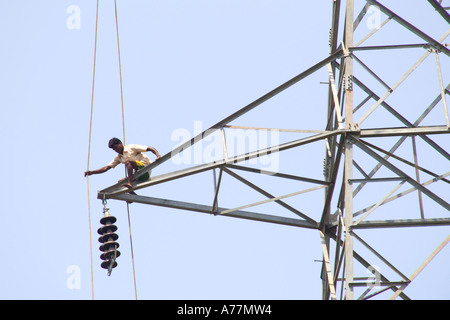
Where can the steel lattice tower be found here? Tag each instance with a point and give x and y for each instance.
(354, 140)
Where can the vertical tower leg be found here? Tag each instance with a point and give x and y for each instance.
(348, 162)
(348, 219)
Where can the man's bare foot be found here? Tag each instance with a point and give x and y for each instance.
(128, 185)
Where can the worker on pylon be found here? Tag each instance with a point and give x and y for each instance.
(132, 156)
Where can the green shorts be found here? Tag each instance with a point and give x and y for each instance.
(146, 175)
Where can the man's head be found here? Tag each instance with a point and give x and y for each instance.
(116, 145)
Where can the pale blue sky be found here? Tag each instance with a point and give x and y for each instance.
(182, 62)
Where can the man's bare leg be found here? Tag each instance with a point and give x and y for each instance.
(131, 167)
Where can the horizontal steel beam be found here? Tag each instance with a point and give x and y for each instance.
(377, 179)
(118, 188)
(208, 209)
(400, 223)
(370, 283)
(277, 174)
(415, 131)
(391, 47)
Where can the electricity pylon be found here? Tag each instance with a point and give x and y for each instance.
(369, 121)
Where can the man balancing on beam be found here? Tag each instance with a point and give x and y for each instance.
(132, 156)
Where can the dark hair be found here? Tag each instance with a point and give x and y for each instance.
(113, 142)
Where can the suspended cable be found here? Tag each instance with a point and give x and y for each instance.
(120, 70)
(89, 148)
(123, 129)
(132, 251)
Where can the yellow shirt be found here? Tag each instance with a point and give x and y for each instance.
(131, 152)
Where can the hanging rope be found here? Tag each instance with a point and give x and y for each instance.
(123, 129)
(120, 70)
(89, 149)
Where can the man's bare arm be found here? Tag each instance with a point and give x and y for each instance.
(98, 171)
(155, 152)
